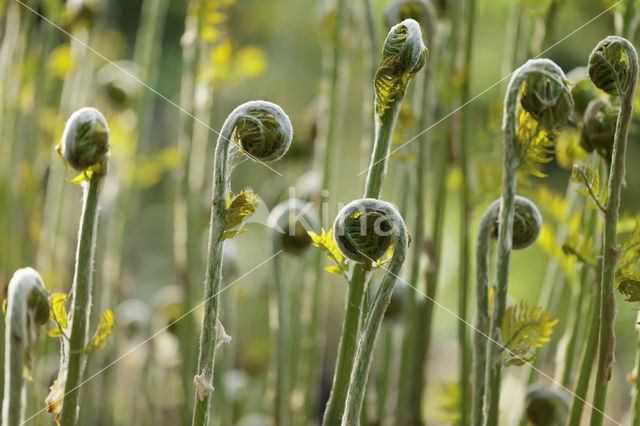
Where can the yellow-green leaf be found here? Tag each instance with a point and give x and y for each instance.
(327, 244)
(100, 337)
(230, 234)
(334, 269)
(58, 313)
(239, 207)
(523, 330)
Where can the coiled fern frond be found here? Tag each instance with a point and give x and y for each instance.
(403, 55)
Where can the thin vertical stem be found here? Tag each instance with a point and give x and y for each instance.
(610, 249)
(81, 305)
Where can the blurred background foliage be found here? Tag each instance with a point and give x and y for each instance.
(275, 50)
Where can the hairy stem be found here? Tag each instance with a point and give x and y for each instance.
(465, 216)
(635, 391)
(480, 341)
(366, 344)
(281, 405)
(27, 307)
(81, 304)
(505, 231)
(610, 249)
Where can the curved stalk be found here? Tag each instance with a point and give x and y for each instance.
(625, 87)
(404, 54)
(258, 138)
(27, 308)
(383, 220)
(541, 78)
(480, 341)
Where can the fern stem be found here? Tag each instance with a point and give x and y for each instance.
(576, 313)
(505, 231)
(27, 307)
(213, 277)
(480, 341)
(281, 404)
(635, 391)
(610, 249)
(465, 216)
(588, 355)
(81, 305)
(362, 363)
(350, 330)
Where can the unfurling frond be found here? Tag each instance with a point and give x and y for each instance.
(239, 207)
(536, 144)
(327, 244)
(590, 179)
(525, 329)
(628, 284)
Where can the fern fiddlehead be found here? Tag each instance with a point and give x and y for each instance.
(263, 131)
(365, 230)
(27, 308)
(545, 405)
(613, 67)
(85, 147)
(404, 54)
(599, 128)
(526, 228)
(540, 89)
(289, 221)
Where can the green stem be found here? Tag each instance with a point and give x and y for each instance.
(635, 391)
(424, 314)
(576, 313)
(366, 343)
(281, 404)
(350, 329)
(588, 357)
(480, 341)
(627, 19)
(610, 249)
(81, 294)
(347, 348)
(505, 231)
(27, 307)
(465, 216)
(383, 380)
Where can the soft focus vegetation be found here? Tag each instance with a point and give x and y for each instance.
(319, 323)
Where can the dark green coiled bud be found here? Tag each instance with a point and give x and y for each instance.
(546, 406)
(599, 128)
(85, 141)
(364, 230)
(403, 55)
(527, 222)
(545, 93)
(262, 130)
(609, 66)
(291, 220)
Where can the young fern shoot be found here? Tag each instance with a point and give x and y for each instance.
(290, 222)
(540, 88)
(365, 230)
(263, 131)
(84, 147)
(403, 55)
(527, 226)
(27, 308)
(613, 68)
